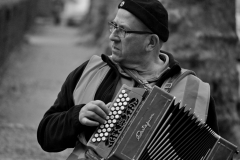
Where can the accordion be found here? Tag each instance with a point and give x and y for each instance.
(148, 125)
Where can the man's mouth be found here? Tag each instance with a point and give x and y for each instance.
(114, 48)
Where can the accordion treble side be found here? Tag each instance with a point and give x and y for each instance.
(148, 125)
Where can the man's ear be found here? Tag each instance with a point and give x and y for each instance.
(152, 42)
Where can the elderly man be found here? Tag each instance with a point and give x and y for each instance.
(137, 34)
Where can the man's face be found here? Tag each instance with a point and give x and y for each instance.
(129, 50)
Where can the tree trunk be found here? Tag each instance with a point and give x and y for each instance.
(203, 38)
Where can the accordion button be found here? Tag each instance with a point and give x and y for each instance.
(123, 91)
(118, 100)
(106, 125)
(99, 130)
(112, 116)
(123, 99)
(99, 139)
(127, 99)
(102, 126)
(110, 113)
(115, 104)
(112, 109)
(107, 117)
(122, 107)
(103, 138)
(109, 121)
(104, 130)
(114, 121)
(124, 103)
(101, 134)
(125, 95)
(120, 96)
(114, 112)
(106, 134)
(119, 112)
(94, 140)
(117, 108)
(120, 103)
(96, 135)
(111, 125)
(109, 129)
(117, 116)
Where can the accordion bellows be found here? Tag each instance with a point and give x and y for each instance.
(147, 125)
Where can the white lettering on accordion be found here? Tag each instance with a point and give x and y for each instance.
(140, 133)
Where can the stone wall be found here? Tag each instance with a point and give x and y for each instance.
(16, 17)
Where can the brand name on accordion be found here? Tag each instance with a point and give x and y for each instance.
(147, 124)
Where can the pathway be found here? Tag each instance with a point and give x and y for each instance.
(32, 81)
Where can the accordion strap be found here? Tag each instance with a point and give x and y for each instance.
(193, 93)
(171, 82)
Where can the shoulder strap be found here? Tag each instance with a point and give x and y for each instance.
(193, 93)
(171, 82)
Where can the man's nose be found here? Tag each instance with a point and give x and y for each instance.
(114, 36)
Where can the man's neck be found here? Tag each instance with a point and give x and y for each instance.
(150, 68)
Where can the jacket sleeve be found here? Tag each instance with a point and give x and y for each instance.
(60, 126)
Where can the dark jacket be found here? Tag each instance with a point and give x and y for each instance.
(60, 125)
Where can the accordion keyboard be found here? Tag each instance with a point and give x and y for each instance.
(122, 110)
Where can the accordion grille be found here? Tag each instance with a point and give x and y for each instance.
(179, 136)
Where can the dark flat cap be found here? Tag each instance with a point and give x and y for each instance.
(152, 13)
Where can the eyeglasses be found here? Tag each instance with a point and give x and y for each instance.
(121, 32)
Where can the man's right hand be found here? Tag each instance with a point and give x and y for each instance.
(94, 113)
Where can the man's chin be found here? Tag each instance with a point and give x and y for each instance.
(115, 58)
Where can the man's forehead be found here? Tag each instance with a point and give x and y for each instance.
(125, 18)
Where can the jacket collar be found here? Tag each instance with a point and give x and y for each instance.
(174, 67)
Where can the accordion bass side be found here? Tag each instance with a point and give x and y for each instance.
(148, 125)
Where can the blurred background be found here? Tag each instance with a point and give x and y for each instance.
(42, 41)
